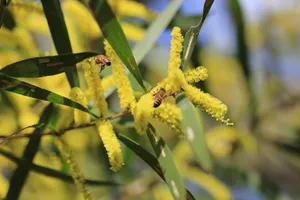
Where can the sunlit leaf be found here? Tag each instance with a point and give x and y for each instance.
(45, 66)
(19, 87)
(191, 36)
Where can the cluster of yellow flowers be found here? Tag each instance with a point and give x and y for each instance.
(150, 105)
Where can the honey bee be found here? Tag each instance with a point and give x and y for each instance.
(102, 60)
(159, 96)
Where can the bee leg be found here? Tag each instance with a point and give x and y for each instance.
(173, 94)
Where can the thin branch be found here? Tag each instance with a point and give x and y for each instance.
(61, 132)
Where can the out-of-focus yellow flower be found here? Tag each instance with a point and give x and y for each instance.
(78, 96)
(7, 121)
(25, 41)
(142, 112)
(161, 193)
(169, 114)
(132, 32)
(124, 8)
(182, 154)
(76, 173)
(196, 75)
(92, 76)
(125, 91)
(7, 38)
(36, 23)
(213, 106)
(21, 9)
(8, 57)
(221, 141)
(108, 82)
(3, 186)
(111, 144)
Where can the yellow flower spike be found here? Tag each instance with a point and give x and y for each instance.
(7, 38)
(78, 96)
(133, 32)
(169, 114)
(213, 106)
(91, 73)
(125, 91)
(142, 112)
(36, 23)
(8, 57)
(176, 48)
(76, 173)
(108, 82)
(27, 6)
(25, 41)
(111, 144)
(132, 9)
(196, 75)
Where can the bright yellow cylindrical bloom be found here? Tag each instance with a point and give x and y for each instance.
(213, 106)
(133, 32)
(142, 112)
(111, 144)
(92, 76)
(176, 48)
(108, 82)
(125, 91)
(78, 96)
(75, 170)
(25, 41)
(196, 75)
(169, 114)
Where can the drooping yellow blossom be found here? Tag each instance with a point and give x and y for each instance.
(125, 91)
(111, 144)
(182, 155)
(213, 106)
(176, 48)
(125, 8)
(108, 82)
(78, 96)
(76, 173)
(169, 114)
(132, 32)
(196, 75)
(25, 41)
(142, 112)
(92, 76)
(221, 140)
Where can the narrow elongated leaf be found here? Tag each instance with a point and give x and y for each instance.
(52, 173)
(19, 177)
(147, 157)
(45, 66)
(59, 34)
(165, 159)
(114, 34)
(3, 6)
(19, 87)
(191, 36)
(155, 30)
(193, 131)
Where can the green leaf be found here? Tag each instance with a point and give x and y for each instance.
(193, 131)
(19, 177)
(19, 87)
(52, 173)
(59, 34)
(155, 30)
(165, 159)
(114, 34)
(147, 157)
(45, 66)
(3, 6)
(191, 36)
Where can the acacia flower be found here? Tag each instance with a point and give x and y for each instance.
(111, 144)
(213, 106)
(76, 173)
(169, 114)
(142, 112)
(176, 48)
(91, 73)
(108, 82)
(196, 75)
(125, 91)
(78, 96)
